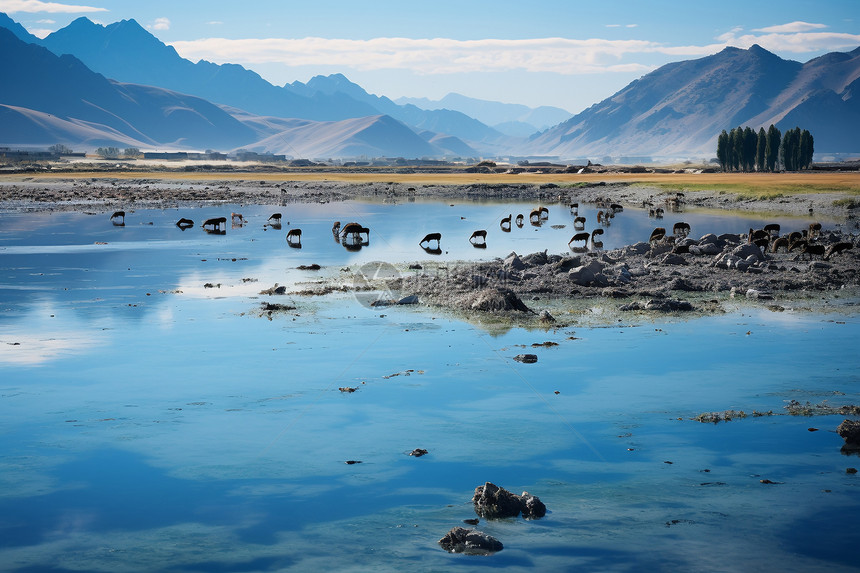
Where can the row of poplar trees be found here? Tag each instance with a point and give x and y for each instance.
(742, 149)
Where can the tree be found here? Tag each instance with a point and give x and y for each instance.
(131, 152)
(723, 150)
(806, 150)
(771, 152)
(749, 149)
(760, 150)
(108, 152)
(60, 149)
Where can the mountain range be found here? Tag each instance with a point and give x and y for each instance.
(76, 87)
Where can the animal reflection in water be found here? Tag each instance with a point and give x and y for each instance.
(574, 209)
(595, 243)
(335, 231)
(582, 237)
(118, 218)
(294, 238)
(274, 221)
(215, 225)
(184, 223)
(237, 220)
(538, 216)
(353, 235)
(430, 237)
(681, 229)
(657, 235)
(519, 220)
(479, 239)
(579, 223)
(506, 224)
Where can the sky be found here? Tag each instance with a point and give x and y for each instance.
(568, 54)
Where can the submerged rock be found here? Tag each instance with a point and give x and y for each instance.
(526, 358)
(470, 542)
(494, 502)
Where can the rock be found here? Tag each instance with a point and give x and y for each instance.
(534, 507)
(418, 452)
(587, 274)
(660, 249)
(849, 430)
(411, 299)
(526, 358)
(667, 305)
(565, 264)
(635, 249)
(706, 249)
(490, 299)
(758, 294)
(745, 251)
(470, 542)
(545, 316)
(535, 259)
(673, 259)
(514, 262)
(494, 502)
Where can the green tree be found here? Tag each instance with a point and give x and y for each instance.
(760, 150)
(131, 152)
(806, 150)
(774, 138)
(108, 152)
(723, 150)
(749, 149)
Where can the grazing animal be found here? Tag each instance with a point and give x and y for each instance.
(757, 235)
(780, 242)
(574, 208)
(294, 237)
(814, 229)
(184, 223)
(772, 229)
(681, 229)
(594, 242)
(599, 217)
(798, 244)
(795, 236)
(215, 223)
(813, 249)
(118, 218)
(584, 237)
(616, 207)
(534, 216)
(656, 213)
(579, 223)
(432, 237)
(519, 220)
(237, 219)
(544, 212)
(657, 234)
(506, 224)
(354, 230)
(836, 248)
(482, 234)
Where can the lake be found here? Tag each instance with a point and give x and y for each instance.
(152, 423)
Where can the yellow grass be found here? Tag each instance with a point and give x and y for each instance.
(764, 184)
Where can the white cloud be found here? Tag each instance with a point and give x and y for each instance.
(160, 24)
(40, 32)
(34, 6)
(797, 43)
(431, 56)
(791, 28)
(46, 21)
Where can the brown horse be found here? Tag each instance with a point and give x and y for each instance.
(118, 218)
(594, 242)
(681, 229)
(506, 224)
(519, 220)
(579, 223)
(584, 237)
(216, 225)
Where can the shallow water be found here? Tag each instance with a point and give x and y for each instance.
(149, 429)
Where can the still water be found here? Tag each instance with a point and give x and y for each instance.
(150, 423)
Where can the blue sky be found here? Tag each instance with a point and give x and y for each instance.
(569, 54)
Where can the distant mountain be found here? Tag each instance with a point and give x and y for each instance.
(440, 121)
(680, 108)
(109, 49)
(20, 31)
(51, 99)
(511, 119)
(377, 136)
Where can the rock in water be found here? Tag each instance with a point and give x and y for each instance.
(470, 542)
(849, 430)
(494, 502)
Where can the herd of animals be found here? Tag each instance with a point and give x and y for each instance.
(354, 236)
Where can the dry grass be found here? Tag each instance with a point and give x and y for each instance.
(748, 184)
